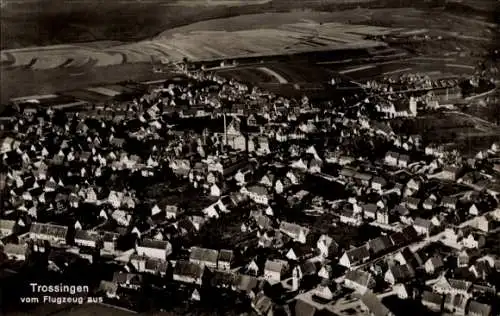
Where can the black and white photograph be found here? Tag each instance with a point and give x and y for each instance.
(250, 157)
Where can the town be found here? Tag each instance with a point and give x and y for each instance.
(205, 195)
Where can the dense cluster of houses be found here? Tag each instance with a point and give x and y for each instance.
(84, 183)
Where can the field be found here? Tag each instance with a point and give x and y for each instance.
(24, 82)
(438, 67)
(468, 132)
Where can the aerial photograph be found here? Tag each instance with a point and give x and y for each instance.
(250, 157)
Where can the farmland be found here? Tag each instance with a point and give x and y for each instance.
(468, 132)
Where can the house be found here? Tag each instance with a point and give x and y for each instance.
(274, 270)
(398, 273)
(383, 216)
(354, 256)
(429, 204)
(109, 288)
(268, 180)
(403, 161)
(480, 269)
(374, 304)
(222, 279)
(151, 248)
(299, 252)
(463, 259)
(304, 308)
(86, 238)
(450, 173)
(258, 193)
(483, 223)
(7, 227)
(294, 231)
(422, 226)
(263, 305)
(379, 245)
(16, 251)
(245, 283)
(473, 241)
(282, 185)
(455, 303)
(243, 176)
(378, 183)
(171, 211)
(204, 257)
(188, 272)
(449, 202)
(473, 210)
(459, 286)
(349, 217)
(109, 240)
(391, 158)
(55, 234)
(412, 203)
(432, 301)
(370, 211)
(433, 264)
(479, 309)
(359, 280)
(131, 281)
(327, 246)
(225, 259)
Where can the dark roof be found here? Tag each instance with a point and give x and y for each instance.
(132, 278)
(226, 255)
(431, 297)
(380, 244)
(157, 265)
(222, 278)
(374, 305)
(359, 276)
(86, 235)
(204, 254)
(461, 285)
(302, 308)
(188, 269)
(262, 304)
(481, 309)
(245, 283)
(358, 254)
(49, 229)
(156, 244)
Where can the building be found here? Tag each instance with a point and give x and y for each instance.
(7, 227)
(274, 270)
(422, 226)
(225, 259)
(55, 234)
(258, 193)
(130, 281)
(85, 238)
(349, 217)
(188, 272)
(455, 303)
(359, 280)
(433, 264)
(478, 309)
(294, 231)
(204, 257)
(432, 301)
(354, 256)
(159, 249)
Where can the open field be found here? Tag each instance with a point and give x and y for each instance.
(435, 68)
(23, 82)
(207, 45)
(468, 132)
